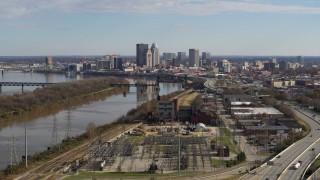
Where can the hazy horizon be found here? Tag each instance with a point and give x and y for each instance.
(91, 27)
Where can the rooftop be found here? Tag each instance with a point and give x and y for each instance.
(255, 110)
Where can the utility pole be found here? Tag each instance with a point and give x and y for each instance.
(54, 137)
(267, 139)
(13, 151)
(68, 126)
(26, 144)
(179, 152)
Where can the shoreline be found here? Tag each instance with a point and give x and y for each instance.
(49, 108)
(42, 157)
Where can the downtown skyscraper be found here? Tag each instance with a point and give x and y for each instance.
(147, 57)
(155, 54)
(194, 58)
(141, 55)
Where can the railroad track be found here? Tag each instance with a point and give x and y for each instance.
(53, 167)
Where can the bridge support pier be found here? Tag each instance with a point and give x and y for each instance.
(22, 87)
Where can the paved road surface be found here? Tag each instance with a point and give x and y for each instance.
(301, 150)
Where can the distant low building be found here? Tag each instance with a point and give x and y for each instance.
(165, 110)
(255, 113)
(49, 62)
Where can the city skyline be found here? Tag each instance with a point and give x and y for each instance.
(243, 27)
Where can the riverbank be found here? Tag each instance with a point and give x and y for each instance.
(40, 158)
(28, 111)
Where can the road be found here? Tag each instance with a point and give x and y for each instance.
(250, 150)
(311, 148)
(282, 166)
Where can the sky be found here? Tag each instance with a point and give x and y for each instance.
(100, 27)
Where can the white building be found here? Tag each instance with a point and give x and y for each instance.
(155, 54)
(149, 62)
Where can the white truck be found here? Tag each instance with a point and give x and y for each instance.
(297, 165)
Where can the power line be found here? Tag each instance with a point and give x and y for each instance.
(68, 126)
(13, 152)
(54, 137)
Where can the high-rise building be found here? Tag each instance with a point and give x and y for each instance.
(224, 65)
(205, 55)
(182, 57)
(194, 59)
(113, 61)
(168, 56)
(155, 54)
(205, 59)
(300, 59)
(149, 62)
(283, 65)
(269, 66)
(141, 55)
(118, 64)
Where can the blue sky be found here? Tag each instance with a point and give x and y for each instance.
(98, 27)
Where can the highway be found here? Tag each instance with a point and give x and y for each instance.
(303, 151)
(309, 152)
(281, 166)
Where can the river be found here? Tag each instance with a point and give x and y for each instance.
(70, 122)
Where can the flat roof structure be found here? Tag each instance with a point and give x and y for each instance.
(254, 110)
(239, 103)
(264, 128)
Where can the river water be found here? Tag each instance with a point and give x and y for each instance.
(69, 122)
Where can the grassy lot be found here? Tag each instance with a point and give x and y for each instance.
(305, 125)
(313, 168)
(217, 163)
(121, 175)
(227, 140)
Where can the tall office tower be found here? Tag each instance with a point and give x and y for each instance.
(155, 54)
(300, 59)
(269, 66)
(283, 65)
(118, 64)
(206, 58)
(168, 56)
(194, 59)
(113, 61)
(149, 62)
(49, 61)
(274, 60)
(224, 65)
(182, 57)
(206, 55)
(141, 55)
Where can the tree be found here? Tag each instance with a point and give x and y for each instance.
(286, 110)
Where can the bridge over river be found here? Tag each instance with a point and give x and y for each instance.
(42, 84)
(22, 84)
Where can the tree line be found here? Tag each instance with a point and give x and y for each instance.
(17, 103)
